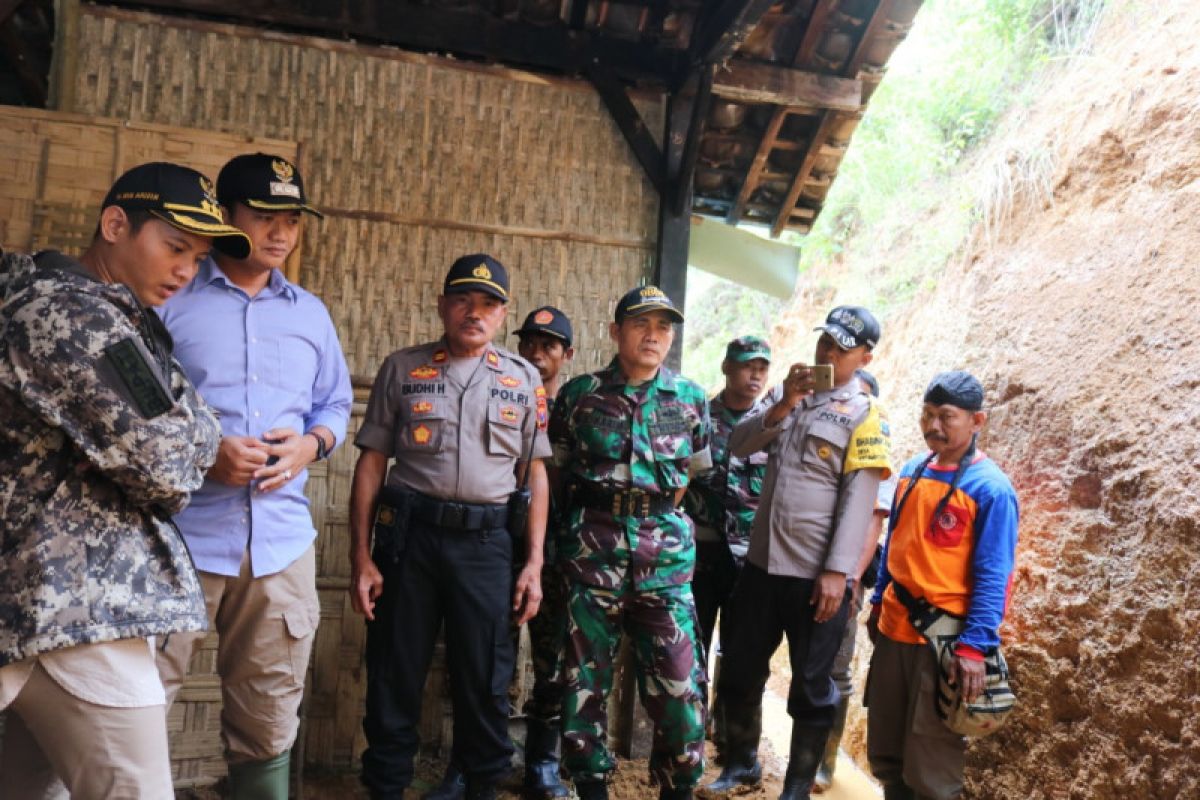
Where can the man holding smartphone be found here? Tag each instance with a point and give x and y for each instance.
(265, 354)
(827, 450)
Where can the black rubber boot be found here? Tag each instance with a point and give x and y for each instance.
(808, 745)
(824, 777)
(898, 791)
(453, 786)
(667, 793)
(591, 790)
(481, 790)
(541, 762)
(742, 729)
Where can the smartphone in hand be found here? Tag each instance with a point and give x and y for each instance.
(822, 377)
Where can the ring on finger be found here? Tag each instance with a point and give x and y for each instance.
(287, 474)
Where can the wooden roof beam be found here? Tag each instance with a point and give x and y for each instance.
(755, 82)
(8, 8)
(632, 126)
(722, 30)
(464, 32)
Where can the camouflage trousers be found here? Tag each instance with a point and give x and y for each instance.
(661, 624)
(547, 635)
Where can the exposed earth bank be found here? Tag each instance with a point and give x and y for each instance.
(1078, 308)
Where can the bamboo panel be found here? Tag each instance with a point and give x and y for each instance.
(56, 168)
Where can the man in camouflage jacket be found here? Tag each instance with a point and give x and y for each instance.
(626, 440)
(722, 500)
(103, 439)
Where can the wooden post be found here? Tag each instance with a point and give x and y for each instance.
(675, 218)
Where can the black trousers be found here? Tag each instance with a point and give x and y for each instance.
(762, 610)
(712, 584)
(463, 578)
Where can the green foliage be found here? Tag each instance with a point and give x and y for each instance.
(964, 64)
(723, 312)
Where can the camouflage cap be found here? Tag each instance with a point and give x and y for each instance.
(748, 348)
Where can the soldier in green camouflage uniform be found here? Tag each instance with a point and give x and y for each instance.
(625, 441)
(722, 500)
(103, 439)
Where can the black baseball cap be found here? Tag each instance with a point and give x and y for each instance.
(548, 320)
(869, 380)
(644, 300)
(748, 348)
(480, 272)
(851, 327)
(181, 197)
(955, 388)
(265, 182)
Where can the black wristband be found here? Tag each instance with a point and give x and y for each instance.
(322, 449)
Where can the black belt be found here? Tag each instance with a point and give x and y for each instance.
(460, 516)
(624, 502)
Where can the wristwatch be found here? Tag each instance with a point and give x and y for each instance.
(322, 450)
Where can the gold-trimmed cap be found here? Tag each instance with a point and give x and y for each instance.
(181, 197)
(645, 299)
(477, 272)
(265, 182)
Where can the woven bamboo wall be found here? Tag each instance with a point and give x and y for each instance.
(416, 160)
(56, 168)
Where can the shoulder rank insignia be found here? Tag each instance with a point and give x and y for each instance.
(440, 355)
(493, 360)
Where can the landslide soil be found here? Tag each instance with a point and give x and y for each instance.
(1079, 313)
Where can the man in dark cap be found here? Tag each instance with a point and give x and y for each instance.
(546, 342)
(722, 501)
(465, 422)
(827, 451)
(265, 354)
(103, 439)
(951, 542)
(626, 441)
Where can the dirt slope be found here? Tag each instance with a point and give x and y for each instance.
(1080, 314)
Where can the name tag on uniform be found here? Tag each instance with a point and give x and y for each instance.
(142, 381)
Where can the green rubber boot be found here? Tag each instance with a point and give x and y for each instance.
(260, 780)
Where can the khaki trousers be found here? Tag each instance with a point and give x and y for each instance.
(266, 628)
(906, 741)
(99, 752)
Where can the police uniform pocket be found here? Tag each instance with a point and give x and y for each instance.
(504, 429)
(420, 427)
(301, 625)
(825, 444)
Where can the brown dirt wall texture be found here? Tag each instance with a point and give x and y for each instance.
(1080, 316)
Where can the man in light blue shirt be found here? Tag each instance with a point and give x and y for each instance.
(264, 353)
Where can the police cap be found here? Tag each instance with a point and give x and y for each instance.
(477, 272)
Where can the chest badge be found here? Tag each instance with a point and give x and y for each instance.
(510, 382)
(508, 413)
(422, 435)
(824, 452)
(424, 373)
(422, 407)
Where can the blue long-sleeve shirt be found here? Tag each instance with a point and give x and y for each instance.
(271, 361)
